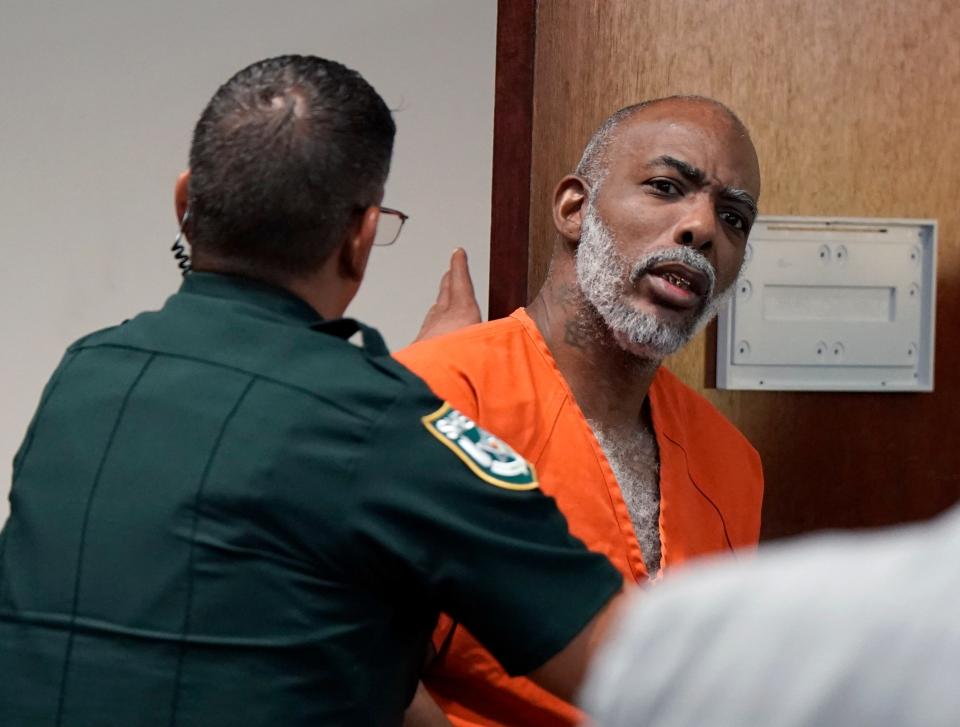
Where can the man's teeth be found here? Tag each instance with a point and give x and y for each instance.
(676, 280)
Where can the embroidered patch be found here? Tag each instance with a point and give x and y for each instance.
(491, 459)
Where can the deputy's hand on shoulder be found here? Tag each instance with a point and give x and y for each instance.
(456, 306)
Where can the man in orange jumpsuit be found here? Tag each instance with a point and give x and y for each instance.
(652, 231)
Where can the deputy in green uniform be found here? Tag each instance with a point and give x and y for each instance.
(227, 512)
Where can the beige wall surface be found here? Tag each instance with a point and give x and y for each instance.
(99, 101)
(853, 107)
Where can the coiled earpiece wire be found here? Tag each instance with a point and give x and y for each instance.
(179, 250)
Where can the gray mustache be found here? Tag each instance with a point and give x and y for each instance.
(684, 255)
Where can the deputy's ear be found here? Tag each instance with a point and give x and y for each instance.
(355, 251)
(569, 199)
(181, 195)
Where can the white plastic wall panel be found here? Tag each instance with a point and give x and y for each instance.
(832, 305)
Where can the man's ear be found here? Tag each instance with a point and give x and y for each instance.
(181, 195)
(569, 199)
(355, 250)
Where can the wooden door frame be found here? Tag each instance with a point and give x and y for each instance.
(512, 155)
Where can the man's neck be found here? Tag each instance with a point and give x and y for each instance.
(609, 384)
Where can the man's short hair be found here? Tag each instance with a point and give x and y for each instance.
(283, 157)
(594, 162)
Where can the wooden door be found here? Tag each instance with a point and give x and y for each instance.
(854, 109)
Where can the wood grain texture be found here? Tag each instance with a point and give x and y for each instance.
(512, 129)
(853, 107)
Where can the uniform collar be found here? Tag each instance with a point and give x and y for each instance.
(252, 292)
(280, 304)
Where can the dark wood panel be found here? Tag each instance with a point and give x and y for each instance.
(512, 129)
(853, 109)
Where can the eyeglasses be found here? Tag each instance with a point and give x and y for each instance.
(388, 229)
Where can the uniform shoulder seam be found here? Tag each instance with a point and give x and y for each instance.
(85, 341)
(215, 364)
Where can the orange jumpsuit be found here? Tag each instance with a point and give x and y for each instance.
(502, 375)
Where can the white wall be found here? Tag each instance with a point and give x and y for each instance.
(97, 103)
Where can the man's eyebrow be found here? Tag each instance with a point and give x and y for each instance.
(742, 196)
(698, 176)
(692, 173)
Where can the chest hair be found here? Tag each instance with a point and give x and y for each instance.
(635, 460)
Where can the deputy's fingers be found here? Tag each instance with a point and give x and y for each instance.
(443, 295)
(460, 281)
(456, 306)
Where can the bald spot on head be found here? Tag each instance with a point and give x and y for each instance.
(595, 160)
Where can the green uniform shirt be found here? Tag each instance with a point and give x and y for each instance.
(224, 513)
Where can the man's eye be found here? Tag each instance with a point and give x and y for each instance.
(664, 186)
(735, 220)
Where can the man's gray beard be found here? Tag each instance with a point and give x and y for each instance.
(604, 276)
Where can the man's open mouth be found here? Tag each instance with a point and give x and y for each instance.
(683, 278)
(677, 280)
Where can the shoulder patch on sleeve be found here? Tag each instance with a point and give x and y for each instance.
(489, 458)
